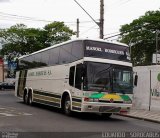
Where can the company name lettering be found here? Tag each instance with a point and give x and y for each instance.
(40, 73)
(112, 51)
(93, 48)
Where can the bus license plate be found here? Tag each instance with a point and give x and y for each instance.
(109, 109)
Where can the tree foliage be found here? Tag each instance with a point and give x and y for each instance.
(20, 39)
(140, 35)
(57, 32)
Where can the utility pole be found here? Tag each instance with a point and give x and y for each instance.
(101, 23)
(77, 28)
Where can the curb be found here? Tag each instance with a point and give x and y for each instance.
(140, 118)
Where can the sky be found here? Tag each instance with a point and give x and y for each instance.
(38, 13)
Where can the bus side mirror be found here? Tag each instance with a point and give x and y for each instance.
(135, 80)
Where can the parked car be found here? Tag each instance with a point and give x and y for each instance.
(6, 85)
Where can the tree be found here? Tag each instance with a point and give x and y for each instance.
(20, 39)
(141, 36)
(57, 32)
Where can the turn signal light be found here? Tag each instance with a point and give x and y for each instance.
(86, 99)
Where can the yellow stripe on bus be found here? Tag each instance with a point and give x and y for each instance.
(46, 98)
(76, 104)
(111, 96)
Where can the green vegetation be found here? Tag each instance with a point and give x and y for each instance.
(141, 36)
(22, 40)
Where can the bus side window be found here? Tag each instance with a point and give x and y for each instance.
(78, 79)
(71, 75)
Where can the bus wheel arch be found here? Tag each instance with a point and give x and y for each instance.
(66, 103)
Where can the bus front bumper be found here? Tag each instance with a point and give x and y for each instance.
(106, 108)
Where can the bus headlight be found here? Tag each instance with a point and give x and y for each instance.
(95, 100)
(86, 99)
(128, 102)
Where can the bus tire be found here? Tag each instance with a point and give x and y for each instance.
(67, 106)
(29, 100)
(25, 97)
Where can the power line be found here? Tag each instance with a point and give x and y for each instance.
(87, 13)
(127, 1)
(88, 30)
(112, 33)
(117, 4)
(14, 16)
(101, 22)
(113, 36)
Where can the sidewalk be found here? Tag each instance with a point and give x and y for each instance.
(153, 116)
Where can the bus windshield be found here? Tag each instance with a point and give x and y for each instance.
(122, 80)
(108, 78)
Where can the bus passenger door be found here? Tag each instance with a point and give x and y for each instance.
(76, 80)
(21, 83)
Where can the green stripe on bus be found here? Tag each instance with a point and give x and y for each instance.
(96, 95)
(125, 97)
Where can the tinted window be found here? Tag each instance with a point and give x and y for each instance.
(59, 55)
(106, 50)
(65, 54)
(37, 57)
(71, 76)
(45, 57)
(54, 56)
(38, 60)
(78, 79)
(77, 51)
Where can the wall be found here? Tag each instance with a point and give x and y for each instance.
(147, 92)
(1, 73)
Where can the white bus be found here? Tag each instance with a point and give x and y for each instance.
(81, 75)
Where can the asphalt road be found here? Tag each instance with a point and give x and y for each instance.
(16, 117)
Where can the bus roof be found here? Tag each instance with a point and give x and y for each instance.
(69, 41)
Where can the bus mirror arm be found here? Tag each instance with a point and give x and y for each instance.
(135, 80)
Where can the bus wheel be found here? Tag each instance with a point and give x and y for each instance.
(67, 106)
(106, 115)
(29, 100)
(25, 98)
